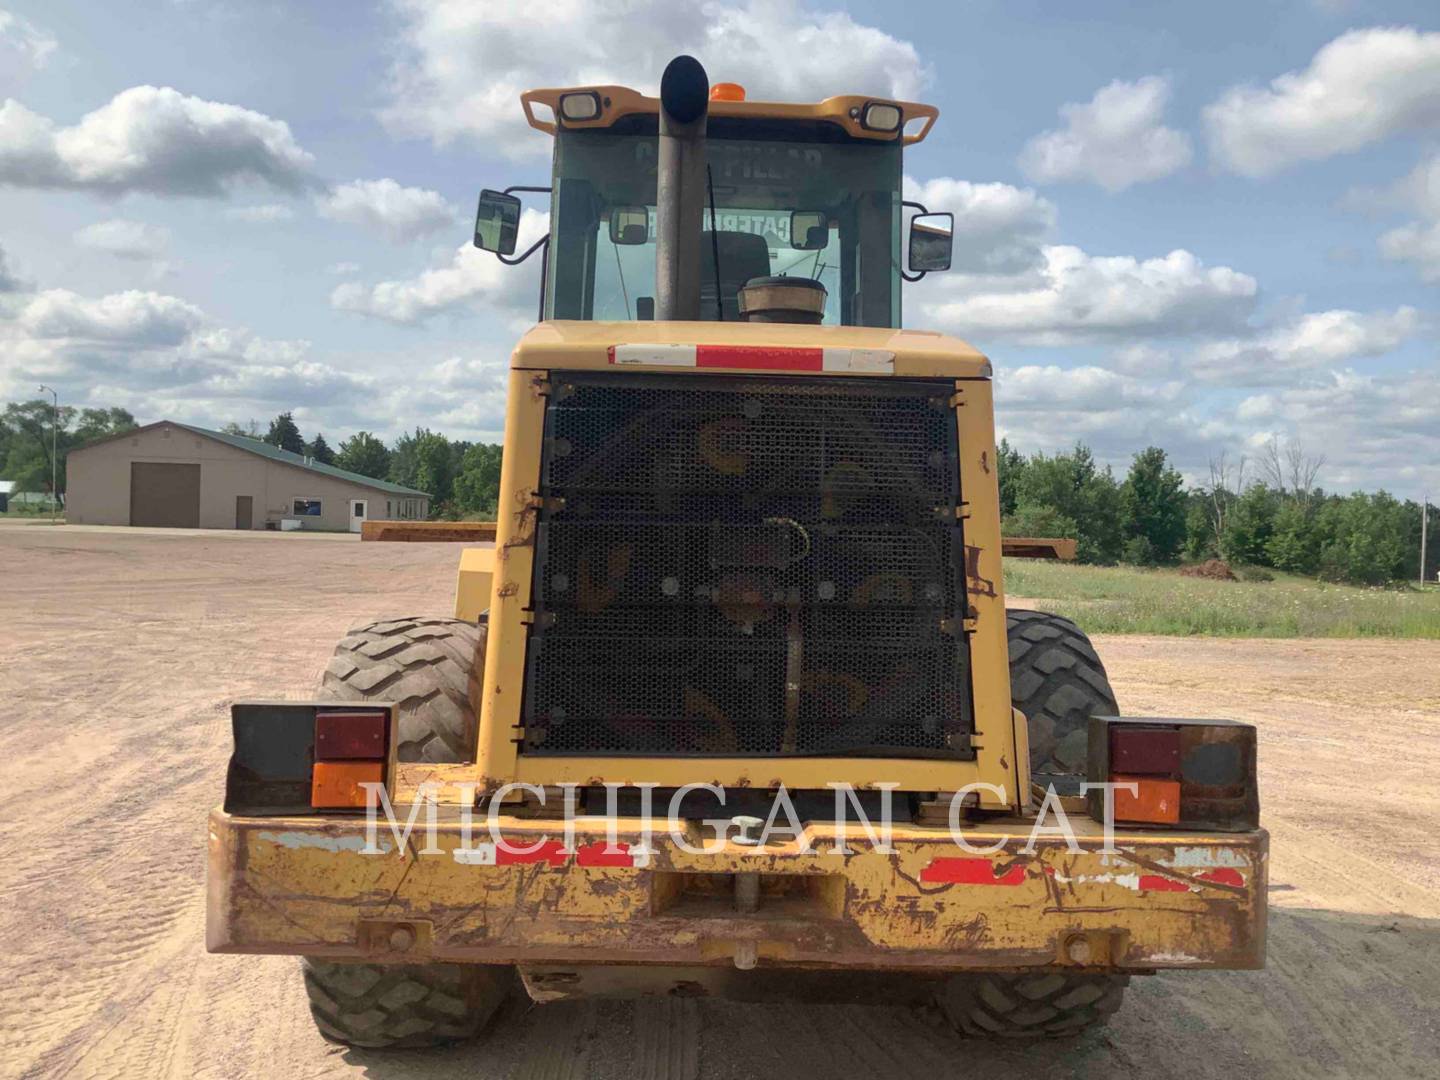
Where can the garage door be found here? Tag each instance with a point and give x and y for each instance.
(165, 495)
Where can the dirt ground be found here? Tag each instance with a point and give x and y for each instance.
(122, 650)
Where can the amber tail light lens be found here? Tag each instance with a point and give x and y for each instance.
(1190, 774)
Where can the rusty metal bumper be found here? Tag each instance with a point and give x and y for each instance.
(1164, 900)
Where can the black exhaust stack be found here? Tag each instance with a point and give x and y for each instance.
(680, 188)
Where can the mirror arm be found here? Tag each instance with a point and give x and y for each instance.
(904, 202)
(518, 259)
(917, 277)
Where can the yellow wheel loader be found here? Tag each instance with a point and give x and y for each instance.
(733, 704)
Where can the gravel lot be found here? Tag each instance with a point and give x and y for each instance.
(122, 649)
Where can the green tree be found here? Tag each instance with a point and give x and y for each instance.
(320, 450)
(284, 434)
(245, 431)
(424, 460)
(1293, 543)
(1032, 520)
(363, 453)
(1249, 526)
(1009, 470)
(435, 468)
(1363, 539)
(477, 486)
(1153, 505)
(26, 437)
(1200, 540)
(1074, 486)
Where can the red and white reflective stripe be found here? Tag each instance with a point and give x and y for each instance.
(525, 853)
(755, 358)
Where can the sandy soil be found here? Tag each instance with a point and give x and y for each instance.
(121, 651)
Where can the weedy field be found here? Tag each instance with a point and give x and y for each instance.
(1131, 600)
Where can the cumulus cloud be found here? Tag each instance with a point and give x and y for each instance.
(125, 318)
(462, 66)
(999, 229)
(1078, 297)
(125, 239)
(1315, 341)
(472, 276)
(1115, 140)
(161, 355)
(383, 206)
(1364, 86)
(1417, 243)
(151, 139)
(1377, 430)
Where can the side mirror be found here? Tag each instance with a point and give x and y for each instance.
(629, 225)
(497, 222)
(932, 238)
(809, 230)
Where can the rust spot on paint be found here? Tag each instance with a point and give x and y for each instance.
(978, 585)
(985, 461)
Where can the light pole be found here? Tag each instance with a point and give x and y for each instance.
(54, 443)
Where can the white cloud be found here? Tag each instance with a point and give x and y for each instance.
(1078, 297)
(462, 66)
(999, 229)
(125, 239)
(1418, 243)
(151, 139)
(1116, 140)
(1364, 86)
(1315, 341)
(125, 318)
(260, 214)
(1377, 431)
(399, 213)
(24, 47)
(470, 277)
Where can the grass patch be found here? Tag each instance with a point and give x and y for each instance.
(1129, 600)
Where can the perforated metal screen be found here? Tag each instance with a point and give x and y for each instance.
(748, 566)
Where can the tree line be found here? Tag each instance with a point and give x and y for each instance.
(462, 478)
(1275, 516)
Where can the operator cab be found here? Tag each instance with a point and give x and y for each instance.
(809, 192)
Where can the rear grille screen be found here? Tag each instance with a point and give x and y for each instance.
(748, 567)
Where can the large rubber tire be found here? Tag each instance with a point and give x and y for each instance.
(1058, 682)
(430, 668)
(397, 1005)
(1035, 1005)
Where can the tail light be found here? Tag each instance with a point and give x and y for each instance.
(1190, 774)
(297, 758)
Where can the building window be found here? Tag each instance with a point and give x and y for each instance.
(306, 508)
(389, 509)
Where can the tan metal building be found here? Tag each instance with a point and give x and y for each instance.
(179, 476)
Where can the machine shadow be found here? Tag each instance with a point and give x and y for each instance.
(1344, 995)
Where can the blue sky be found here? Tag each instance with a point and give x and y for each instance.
(1198, 226)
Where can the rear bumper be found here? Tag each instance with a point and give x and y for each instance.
(1165, 900)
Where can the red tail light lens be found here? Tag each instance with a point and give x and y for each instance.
(340, 736)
